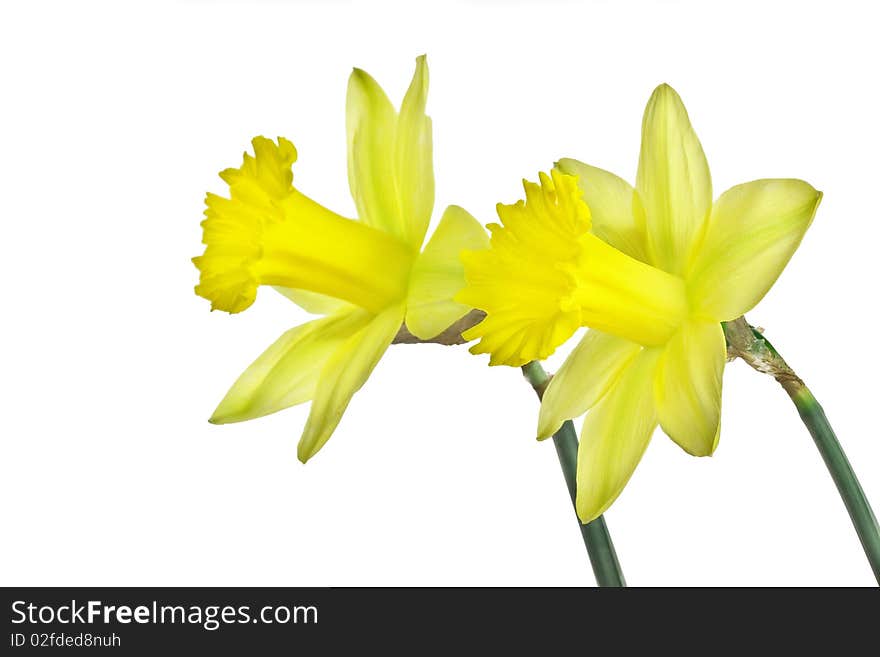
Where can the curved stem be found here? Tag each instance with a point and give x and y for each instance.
(749, 344)
(597, 539)
(841, 471)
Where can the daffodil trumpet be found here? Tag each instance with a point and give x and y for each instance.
(652, 271)
(366, 276)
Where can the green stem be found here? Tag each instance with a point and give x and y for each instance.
(596, 537)
(750, 344)
(841, 471)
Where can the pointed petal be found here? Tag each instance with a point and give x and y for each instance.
(616, 209)
(438, 274)
(312, 302)
(616, 433)
(371, 124)
(753, 231)
(687, 389)
(287, 372)
(673, 181)
(344, 373)
(591, 370)
(414, 164)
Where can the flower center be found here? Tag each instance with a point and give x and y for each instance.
(545, 274)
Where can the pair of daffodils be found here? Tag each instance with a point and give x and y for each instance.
(652, 270)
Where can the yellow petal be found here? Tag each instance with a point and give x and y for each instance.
(673, 181)
(617, 212)
(390, 157)
(753, 231)
(687, 388)
(414, 165)
(371, 125)
(312, 302)
(438, 274)
(592, 368)
(346, 370)
(287, 372)
(616, 433)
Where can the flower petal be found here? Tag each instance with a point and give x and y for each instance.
(673, 181)
(616, 209)
(312, 302)
(616, 433)
(344, 373)
(753, 231)
(414, 164)
(287, 372)
(687, 388)
(590, 371)
(438, 274)
(371, 125)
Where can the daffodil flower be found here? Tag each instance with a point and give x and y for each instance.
(653, 271)
(367, 276)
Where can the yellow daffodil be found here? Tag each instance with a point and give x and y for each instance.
(367, 276)
(653, 271)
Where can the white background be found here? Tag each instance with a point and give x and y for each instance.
(116, 119)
